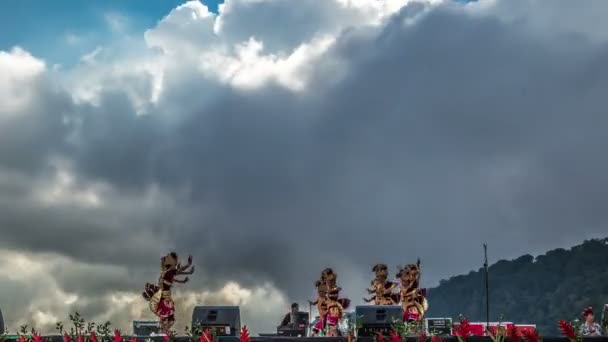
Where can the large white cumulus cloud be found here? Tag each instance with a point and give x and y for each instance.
(280, 137)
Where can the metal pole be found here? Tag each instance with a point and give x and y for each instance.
(485, 265)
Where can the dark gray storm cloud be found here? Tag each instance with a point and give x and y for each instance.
(451, 128)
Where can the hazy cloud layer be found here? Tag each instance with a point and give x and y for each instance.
(272, 141)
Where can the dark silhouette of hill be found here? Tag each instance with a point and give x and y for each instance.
(541, 290)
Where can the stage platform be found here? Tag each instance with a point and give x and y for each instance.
(57, 338)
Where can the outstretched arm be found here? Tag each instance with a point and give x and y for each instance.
(185, 267)
(369, 300)
(181, 281)
(186, 271)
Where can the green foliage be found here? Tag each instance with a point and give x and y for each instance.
(194, 332)
(77, 325)
(59, 328)
(405, 329)
(501, 332)
(528, 290)
(104, 331)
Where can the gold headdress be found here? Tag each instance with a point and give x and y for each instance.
(329, 275)
(168, 261)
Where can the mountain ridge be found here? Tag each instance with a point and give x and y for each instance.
(537, 290)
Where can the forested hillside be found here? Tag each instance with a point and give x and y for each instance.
(541, 290)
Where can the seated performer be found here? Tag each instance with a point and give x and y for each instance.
(589, 327)
(159, 295)
(290, 319)
(412, 298)
(382, 288)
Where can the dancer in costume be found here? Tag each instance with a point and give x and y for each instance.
(334, 316)
(412, 298)
(159, 295)
(382, 289)
(321, 302)
(319, 327)
(333, 290)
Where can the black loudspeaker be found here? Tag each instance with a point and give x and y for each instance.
(220, 320)
(1, 323)
(145, 328)
(372, 319)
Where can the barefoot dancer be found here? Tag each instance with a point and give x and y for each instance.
(159, 295)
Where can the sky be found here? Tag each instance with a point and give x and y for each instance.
(271, 139)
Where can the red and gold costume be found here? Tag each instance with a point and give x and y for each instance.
(382, 289)
(321, 303)
(334, 316)
(159, 295)
(329, 304)
(333, 291)
(411, 297)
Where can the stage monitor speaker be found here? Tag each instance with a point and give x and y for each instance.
(221, 320)
(146, 328)
(377, 318)
(1, 323)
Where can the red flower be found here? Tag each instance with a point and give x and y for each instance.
(463, 330)
(395, 337)
(79, 338)
(93, 336)
(422, 337)
(66, 338)
(36, 337)
(166, 337)
(133, 339)
(531, 336)
(244, 334)
(567, 330)
(379, 337)
(436, 338)
(206, 336)
(117, 337)
(513, 334)
(22, 339)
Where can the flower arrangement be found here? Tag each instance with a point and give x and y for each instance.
(394, 337)
(89, 332)
(513, 334)
(568, 330)
(379, 337)
(206, 336)
(531, 336)
(244, 335)
(436, 338)
(463, 330)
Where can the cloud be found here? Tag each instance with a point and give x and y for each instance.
(273, 140)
